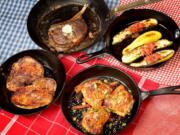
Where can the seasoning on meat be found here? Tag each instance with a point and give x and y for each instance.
(102, 103)
(39, 94)
(29, 86)
(94, 91)
(66, 35)
(120, 101)
(24, 72)
(94, 120)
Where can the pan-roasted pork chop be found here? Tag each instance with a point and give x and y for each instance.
(24, 72)
(39, 94)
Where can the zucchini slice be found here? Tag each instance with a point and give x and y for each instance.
(134, 29)
(145, 38)
(155, 58)
(138, 52)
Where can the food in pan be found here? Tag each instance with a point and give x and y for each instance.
(145, 38)
(145, 50)
(94, 120)
(134, 29)
(100, 104)
(146, 45)
(31, 89)
(120, 101)
(66, 35)
(154, 58)
(40, 93)
(24, 72)
(94, 92)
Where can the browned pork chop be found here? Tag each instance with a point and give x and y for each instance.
(24, 72)
(39, 94)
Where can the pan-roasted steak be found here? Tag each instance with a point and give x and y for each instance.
(66, 35)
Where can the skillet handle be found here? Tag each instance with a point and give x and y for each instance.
(162, 91)
(87, 57)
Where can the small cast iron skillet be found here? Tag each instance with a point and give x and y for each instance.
(166, 26)
(125, 79)
(53, 69)
(48, 12)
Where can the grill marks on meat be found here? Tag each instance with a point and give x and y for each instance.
(66, 35)
(23, 72)
(94, 120)
(94, 92)
(40, 93)
(31, 89)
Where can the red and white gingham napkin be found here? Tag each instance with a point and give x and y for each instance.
(169, 74)
(157, 115)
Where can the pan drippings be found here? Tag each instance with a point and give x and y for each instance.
(103, 113)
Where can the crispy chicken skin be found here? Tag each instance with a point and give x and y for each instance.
(94, 91)
(120, 101)
(39, 94)
(94, 120)
(23, 72)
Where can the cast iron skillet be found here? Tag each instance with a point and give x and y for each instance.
(97, 16)
(53, 69)
(110, 72)
(166, 26)
(48, 12)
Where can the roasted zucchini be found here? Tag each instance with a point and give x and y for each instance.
(155, 58)
(134, 29)
(145, 38)
(144, 50)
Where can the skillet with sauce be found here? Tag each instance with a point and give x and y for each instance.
(100, 105)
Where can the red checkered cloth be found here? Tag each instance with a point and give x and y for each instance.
(169, 74)
(157, 115)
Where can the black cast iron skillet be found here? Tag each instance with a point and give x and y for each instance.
(48, 12)
(53, 69)
(97, 16)
(166, 26)
(110, 72)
